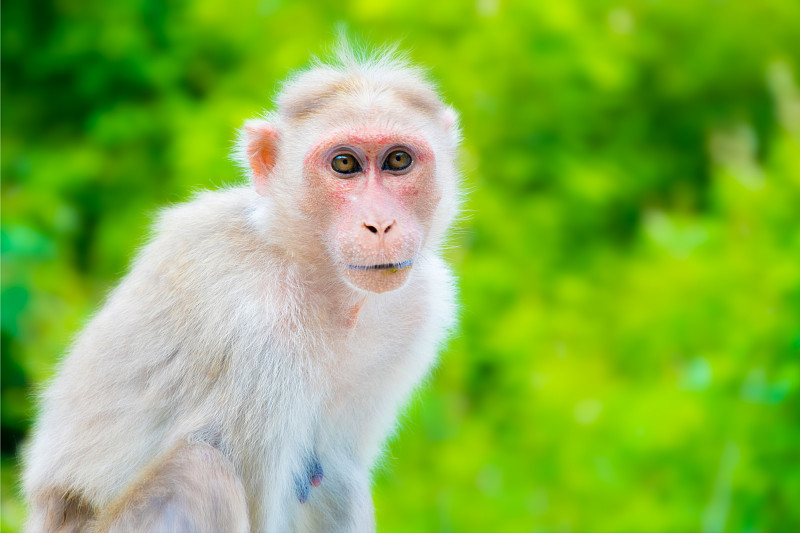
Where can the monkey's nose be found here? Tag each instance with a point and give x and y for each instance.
(380, 228)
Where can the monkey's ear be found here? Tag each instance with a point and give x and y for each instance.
(260, 140)
(450, 118)
(450, 121)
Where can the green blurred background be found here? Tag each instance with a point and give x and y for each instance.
(628, 357)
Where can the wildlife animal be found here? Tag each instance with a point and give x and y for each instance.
(245, 373)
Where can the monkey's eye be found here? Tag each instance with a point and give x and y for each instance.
(397, 160)
(345, 164)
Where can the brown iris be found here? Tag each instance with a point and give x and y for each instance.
(397, 160)
(345, 164)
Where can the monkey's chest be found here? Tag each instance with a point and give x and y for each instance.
(333, 446)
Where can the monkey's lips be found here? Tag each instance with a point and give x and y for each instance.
(384, 266)
(381, 277)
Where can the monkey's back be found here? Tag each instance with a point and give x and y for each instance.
(113, 401)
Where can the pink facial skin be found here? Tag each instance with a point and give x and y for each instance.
(378, 217)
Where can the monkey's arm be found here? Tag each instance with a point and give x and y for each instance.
(193, 488)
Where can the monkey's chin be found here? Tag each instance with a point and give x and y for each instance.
(379, 278)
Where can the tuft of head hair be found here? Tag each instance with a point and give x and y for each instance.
(353, 70)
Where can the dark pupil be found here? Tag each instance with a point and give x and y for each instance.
(399, 160)
(343, 163)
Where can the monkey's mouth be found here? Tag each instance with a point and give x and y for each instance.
(385, 266)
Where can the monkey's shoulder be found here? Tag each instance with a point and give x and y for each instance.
(206, 236)
(209, 214)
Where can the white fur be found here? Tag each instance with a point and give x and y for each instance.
(224, 331)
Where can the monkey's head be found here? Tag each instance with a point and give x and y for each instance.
(358, 163)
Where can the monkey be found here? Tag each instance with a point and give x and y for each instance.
(247, 370)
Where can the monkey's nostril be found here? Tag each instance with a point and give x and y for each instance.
(381, 228)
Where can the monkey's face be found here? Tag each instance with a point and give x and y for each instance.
(376, 193)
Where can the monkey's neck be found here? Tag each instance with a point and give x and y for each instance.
(326, 292)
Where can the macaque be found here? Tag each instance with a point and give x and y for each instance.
(245, 373)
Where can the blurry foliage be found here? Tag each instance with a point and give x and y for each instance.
(628, 357)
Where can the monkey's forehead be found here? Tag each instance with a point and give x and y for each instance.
(357, 95)
(366, 118)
